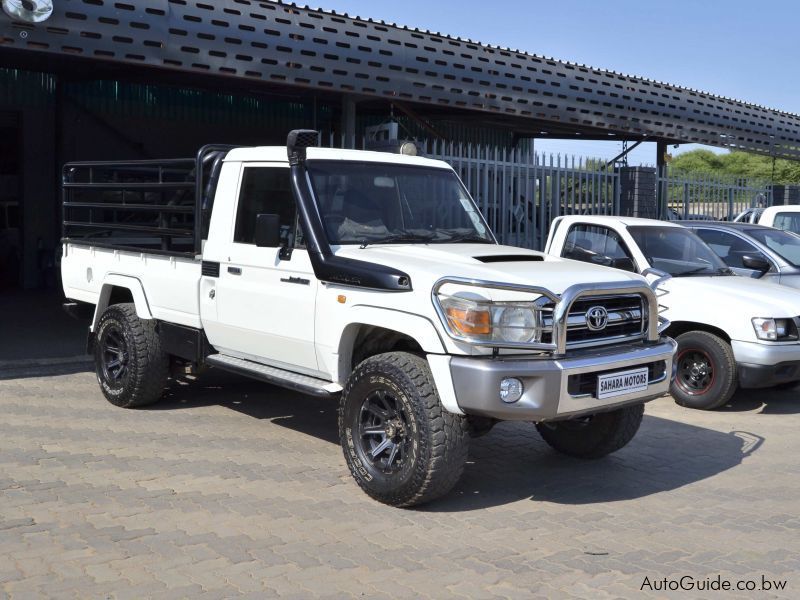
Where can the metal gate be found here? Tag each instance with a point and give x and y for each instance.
(705, 195)
(520, 192)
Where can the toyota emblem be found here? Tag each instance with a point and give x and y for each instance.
(596, 318)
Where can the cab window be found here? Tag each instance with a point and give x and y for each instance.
(266, 190)
(788, 221)
(599, 245)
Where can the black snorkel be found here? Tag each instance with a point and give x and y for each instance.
(327, 266)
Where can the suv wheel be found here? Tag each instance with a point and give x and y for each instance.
(593, 436)
(130, 365)
(403, 448)
(706, 371)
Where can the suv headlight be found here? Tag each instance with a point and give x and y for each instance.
(775, 330)
(485, 321)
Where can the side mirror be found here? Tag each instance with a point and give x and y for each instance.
(624, 263)
(268, 231)
(756, 263)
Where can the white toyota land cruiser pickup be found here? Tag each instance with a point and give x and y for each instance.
(369, 276)
(731, 331)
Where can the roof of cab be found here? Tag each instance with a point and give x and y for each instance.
(627, 221)
(278, 154)
(781, 208)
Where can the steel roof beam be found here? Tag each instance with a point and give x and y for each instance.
(270, 44)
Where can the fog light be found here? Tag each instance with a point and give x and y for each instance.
(510, 390)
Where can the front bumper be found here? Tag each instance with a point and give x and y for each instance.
(761, 376)
(558, 388)
(766, 353)
(764, 365)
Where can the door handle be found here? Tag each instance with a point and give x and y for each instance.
(235, 270)
(299, 280)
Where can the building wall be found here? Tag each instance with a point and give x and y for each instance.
(38, 195)
(26, 103)
(115, 121)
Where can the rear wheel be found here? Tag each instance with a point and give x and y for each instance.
(593, 436)
(403, 448)
(130, 365)
(705, 371)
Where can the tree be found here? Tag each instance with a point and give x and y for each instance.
(739, 164)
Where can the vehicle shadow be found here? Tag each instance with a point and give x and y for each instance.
(771, 401)
(512, 462)
(305, 414)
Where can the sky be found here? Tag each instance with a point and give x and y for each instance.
(744, 50)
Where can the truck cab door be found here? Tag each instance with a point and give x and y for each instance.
(599, 245)
(265, 296)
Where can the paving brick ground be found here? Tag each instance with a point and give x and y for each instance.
(232, 488)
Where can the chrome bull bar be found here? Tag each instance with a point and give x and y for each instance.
(660, 278)
(563, 304)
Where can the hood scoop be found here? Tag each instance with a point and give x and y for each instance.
(505, 258)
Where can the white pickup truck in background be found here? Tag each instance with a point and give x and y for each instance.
(368, 276)
(785, 217)
(731, 331)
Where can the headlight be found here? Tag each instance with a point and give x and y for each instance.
(485, 321)
(515, 324)
(775, 329)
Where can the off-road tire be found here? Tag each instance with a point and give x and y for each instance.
(436, 440)
(719, 355)
(147, 366)
(594, 436)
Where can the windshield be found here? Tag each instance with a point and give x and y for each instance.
(786, 245)
(379, 203)
(677, 251)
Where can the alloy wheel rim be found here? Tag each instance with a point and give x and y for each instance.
(384, 432)
(115, 356)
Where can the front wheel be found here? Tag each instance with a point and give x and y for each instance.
(403, 448)
(706, 371)
(593, 436)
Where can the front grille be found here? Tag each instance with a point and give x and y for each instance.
(625, 321)
(585, 384)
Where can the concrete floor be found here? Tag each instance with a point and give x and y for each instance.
(230, 488)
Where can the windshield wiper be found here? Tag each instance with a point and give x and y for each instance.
(466, 237)
(398, 237)
(694, 272)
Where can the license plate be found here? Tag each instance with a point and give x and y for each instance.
(622, 382)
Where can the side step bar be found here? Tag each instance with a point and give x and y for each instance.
(280, 377)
